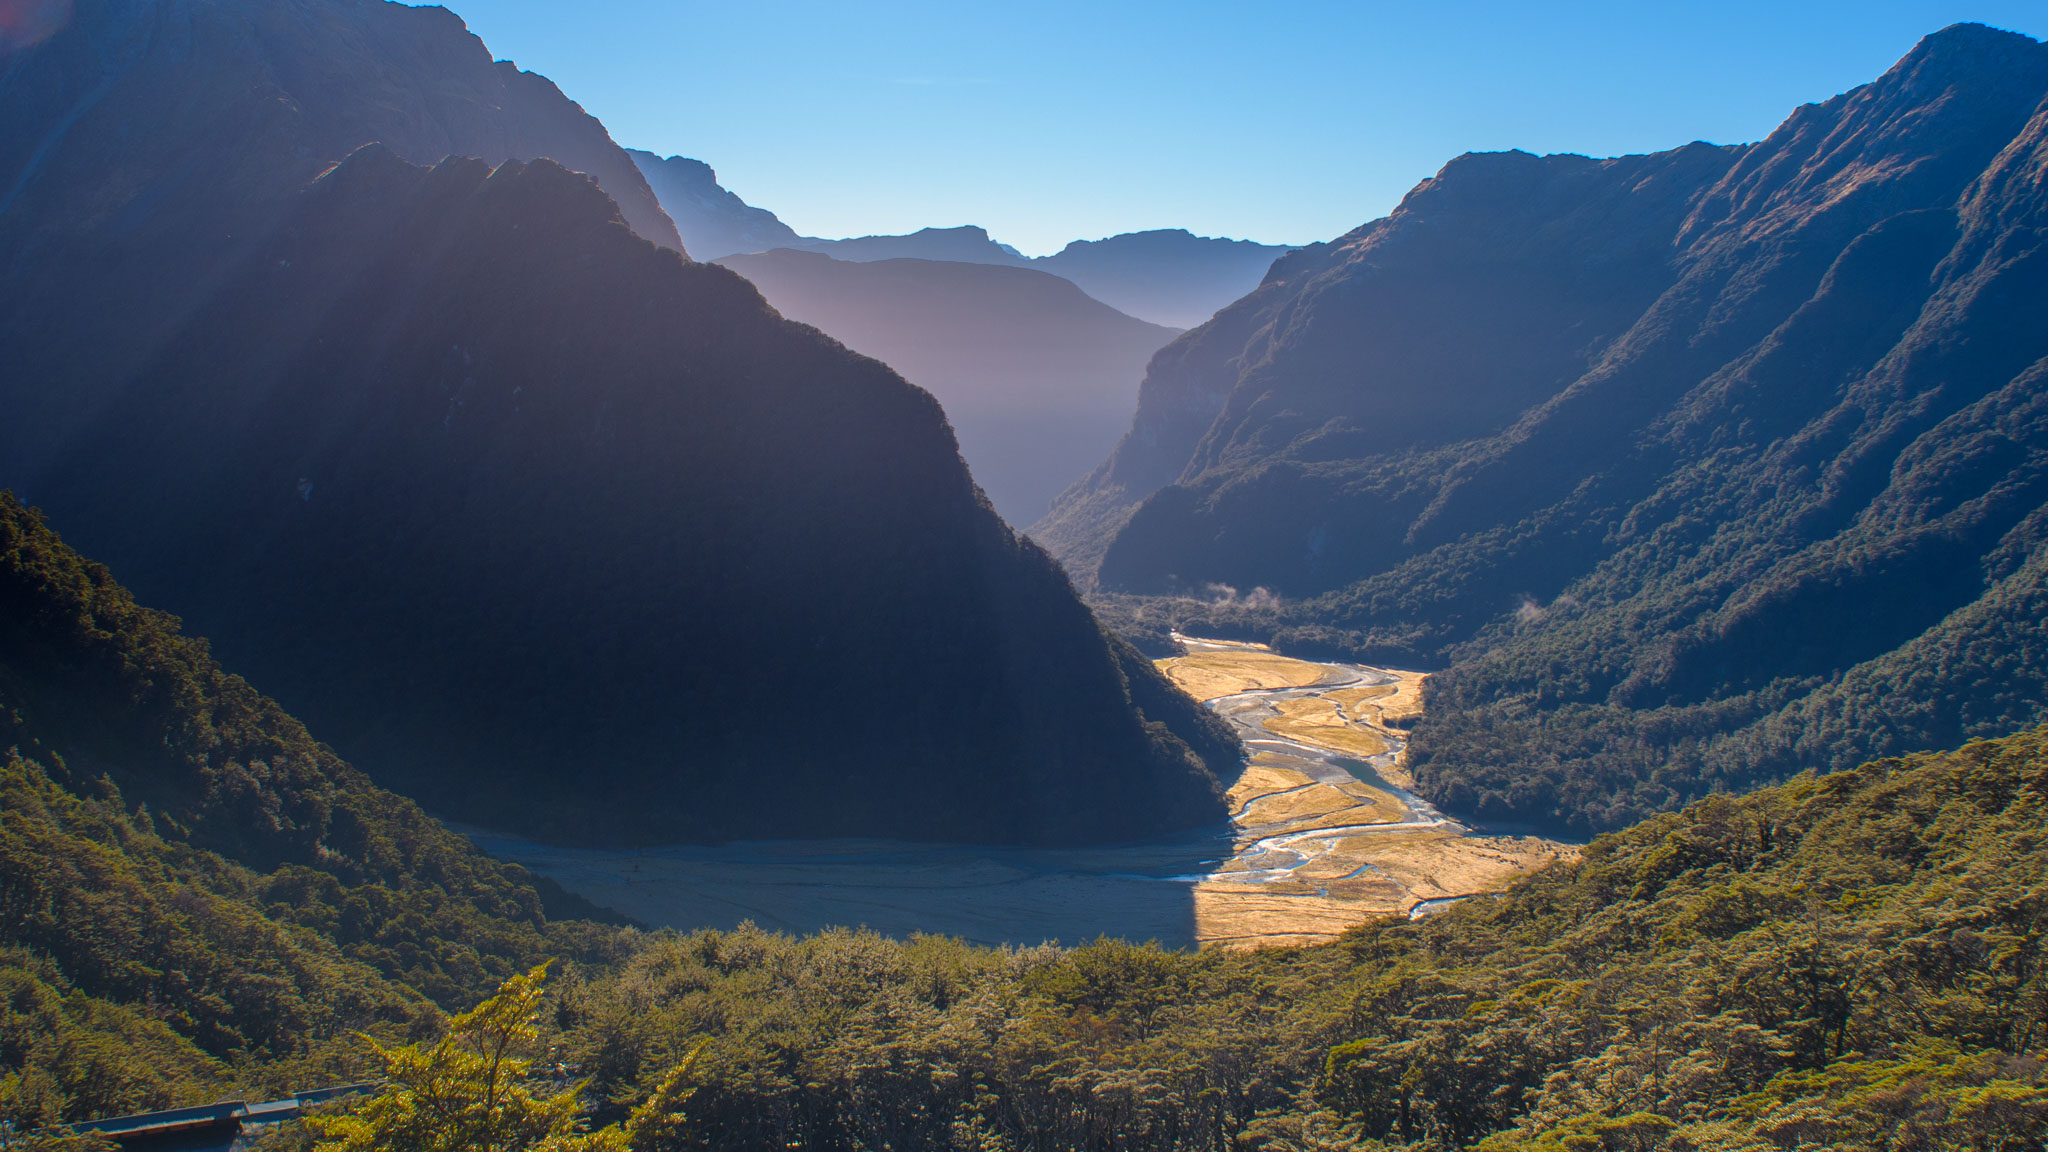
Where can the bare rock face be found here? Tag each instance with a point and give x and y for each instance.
(1696, 468)
(535, 520)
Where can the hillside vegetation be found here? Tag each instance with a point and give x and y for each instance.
(195, 897)
(194, 894)
(1853, 961)
(1690, 470)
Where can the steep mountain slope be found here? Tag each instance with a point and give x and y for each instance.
(193, 894)
(712, 221)
(554, 529)
(1168, 275)
(1037, 379)
(1698, 468)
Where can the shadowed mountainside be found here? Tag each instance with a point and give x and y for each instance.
(544, 525)
(1037, 379)
(148, 147)
(1697, 468)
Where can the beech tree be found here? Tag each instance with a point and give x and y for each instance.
(472, 1090)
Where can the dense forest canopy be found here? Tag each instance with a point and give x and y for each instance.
(195, 895)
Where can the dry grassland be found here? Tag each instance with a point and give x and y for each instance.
(1319, 721)
(1324, 897)
(1256, 916)
(1208, 673)
(1323, 806)
(1298, 876)
(1433, 864)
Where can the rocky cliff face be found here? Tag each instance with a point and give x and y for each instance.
(536, 521)
(1696, 468)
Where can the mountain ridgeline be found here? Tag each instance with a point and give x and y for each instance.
(534, 520)
(1166, 276)
(1692, 469)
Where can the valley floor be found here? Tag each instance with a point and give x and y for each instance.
(1326, 833)
(1323, 836)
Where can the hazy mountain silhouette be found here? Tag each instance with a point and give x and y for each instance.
(545, 525)
(1037, 378)
(109, 188)
(713, 222)
(1168, 276)
(966, 244)
(1699, 468)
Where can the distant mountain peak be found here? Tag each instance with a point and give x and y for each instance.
(1979, 56)
(1967, 41)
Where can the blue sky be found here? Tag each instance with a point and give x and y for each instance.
(1279, 121)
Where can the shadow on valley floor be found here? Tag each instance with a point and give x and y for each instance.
(987, 895)
(1323, 835)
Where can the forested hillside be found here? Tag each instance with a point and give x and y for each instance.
(194, 894)
(1850, 962)
(535, 521)
(197, 898)
(1691, 470)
